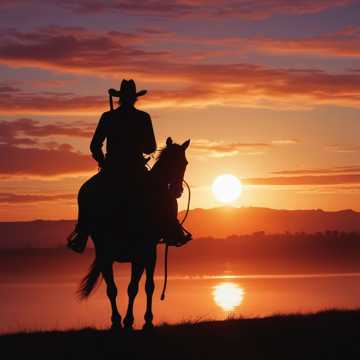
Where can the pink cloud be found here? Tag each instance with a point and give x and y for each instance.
(197, 84)
(341, 43)
(250, 10)
(231, 85)
(43, 162)
(75, 48)
(15, 130)
(5, 88)
(23, 154)
(50, 102)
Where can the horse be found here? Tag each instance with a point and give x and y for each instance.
(166, 175)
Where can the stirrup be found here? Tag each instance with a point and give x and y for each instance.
(77, 241)
(175, 239)
(188, 237)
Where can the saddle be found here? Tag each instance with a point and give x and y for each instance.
(139, 210)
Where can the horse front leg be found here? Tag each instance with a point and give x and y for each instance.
(137, 269)
(111, 291)
(149, 289)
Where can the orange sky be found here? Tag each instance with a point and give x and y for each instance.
(269, 92)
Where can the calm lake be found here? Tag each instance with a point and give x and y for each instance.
(27, 305)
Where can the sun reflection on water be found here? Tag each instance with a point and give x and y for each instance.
(228, 295)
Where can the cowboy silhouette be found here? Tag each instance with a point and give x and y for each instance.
(122, 178)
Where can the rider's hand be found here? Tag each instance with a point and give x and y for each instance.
(112, 92)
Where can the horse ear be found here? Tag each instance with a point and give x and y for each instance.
(186, 144)
(169, 141)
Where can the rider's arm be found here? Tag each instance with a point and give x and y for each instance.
(149, 137)
(98, 140)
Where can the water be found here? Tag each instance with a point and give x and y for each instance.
(28, 305)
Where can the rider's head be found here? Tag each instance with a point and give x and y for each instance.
(127, 94)
(127, 101)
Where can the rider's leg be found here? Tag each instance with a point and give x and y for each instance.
(174, 233)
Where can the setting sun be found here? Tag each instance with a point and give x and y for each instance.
(228, 295)
(226, 188)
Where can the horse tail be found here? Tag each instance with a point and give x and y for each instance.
(89, 282)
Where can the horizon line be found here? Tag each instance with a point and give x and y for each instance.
(225, 207)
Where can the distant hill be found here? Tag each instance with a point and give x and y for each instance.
(34, 234)
(216, 222)
(225, 221)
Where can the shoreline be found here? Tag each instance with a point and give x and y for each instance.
(331, 334)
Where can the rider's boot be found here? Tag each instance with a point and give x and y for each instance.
(176, 235)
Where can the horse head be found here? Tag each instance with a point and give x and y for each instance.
(172, 161)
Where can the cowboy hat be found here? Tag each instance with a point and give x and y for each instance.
(127, 90)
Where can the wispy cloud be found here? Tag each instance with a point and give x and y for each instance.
(43, 162)
(12, 198)
(339, 43)
(219, 149)
(197, 84)
(285, 142)
(230, 85)
(76, 49)
(305, 180)
(330, 190)
(250, 10)
(50, 103)
(23, 131)
(23, 154)
(317, 171)
(343, 148)
(344, 43)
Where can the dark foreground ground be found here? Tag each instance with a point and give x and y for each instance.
(325, 335)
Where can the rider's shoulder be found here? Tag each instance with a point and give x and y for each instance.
(106, 117)
(106, 114)
(142, 114)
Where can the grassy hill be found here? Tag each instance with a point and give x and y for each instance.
(325, 335)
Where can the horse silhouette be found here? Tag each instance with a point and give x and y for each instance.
(141, 221)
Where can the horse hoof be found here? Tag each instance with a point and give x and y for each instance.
(128, 327)
(148, 326)
(116, 326)
(128, 322)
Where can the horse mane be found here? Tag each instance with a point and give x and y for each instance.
(163, 156)
(163, 153)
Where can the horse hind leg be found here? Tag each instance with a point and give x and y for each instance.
(137, 270)
(149, 289)
(111, 291)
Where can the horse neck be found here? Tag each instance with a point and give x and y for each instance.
(159, 173)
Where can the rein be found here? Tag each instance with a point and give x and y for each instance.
(162, 297)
